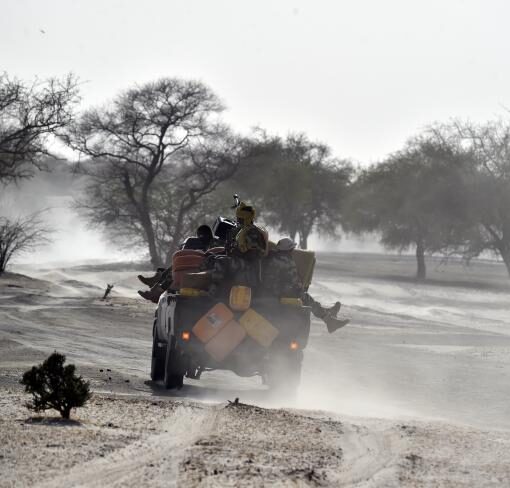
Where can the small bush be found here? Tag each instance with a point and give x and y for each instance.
(56, 386)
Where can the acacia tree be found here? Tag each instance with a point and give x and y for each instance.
(29, 115)
(487, 188)
(138, 138)
(21, 235)
(297, 184)
(413, 199)
(178, 197)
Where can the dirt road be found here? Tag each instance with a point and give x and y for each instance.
(413, 393)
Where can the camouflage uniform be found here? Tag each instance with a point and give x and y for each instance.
(280, 275)
(281, 279)
(243, 264)
(229, 270)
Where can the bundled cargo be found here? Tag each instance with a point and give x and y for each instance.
(184, 262)
(305, 264)
(197, 281)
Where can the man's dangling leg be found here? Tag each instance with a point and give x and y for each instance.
(325, 314)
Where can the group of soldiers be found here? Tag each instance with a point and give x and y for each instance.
(248, 259)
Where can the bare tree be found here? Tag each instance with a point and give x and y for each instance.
(177, 201)
(136, 139)
(487, 188)
(18, 236)
(204, 166)
(29, 115)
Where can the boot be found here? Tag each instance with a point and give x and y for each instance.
(333, 311)
(334, 324)
(153, 294)
(150, 282)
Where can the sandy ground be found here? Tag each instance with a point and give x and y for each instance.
(413, 393)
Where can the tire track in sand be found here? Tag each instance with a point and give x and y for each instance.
(371, 456)
(152, 460)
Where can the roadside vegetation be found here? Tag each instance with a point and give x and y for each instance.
(158, 160)
(21, 235)
(54, 385)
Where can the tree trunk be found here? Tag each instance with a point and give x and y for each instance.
(303, 240)
(177, 237)
(143, 210)
(146, 222)
(421, 272)
(505, 254)
(156, 260)
(3, 262)
(174, 246)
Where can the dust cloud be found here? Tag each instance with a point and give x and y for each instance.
(72, 240)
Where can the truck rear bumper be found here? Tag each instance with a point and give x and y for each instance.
(249, 358)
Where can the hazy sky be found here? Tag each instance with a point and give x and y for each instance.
(360, 75)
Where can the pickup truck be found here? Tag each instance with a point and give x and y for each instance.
(194, 332)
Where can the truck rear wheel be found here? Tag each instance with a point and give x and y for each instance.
(158, 358)
(173, 377)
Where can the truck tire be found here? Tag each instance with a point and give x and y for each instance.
(173, 377)
(158, 358)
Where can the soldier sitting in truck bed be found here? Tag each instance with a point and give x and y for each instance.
(244, 249)
(162, 280)
(281, 279)
(275, 272)
(247, 261)
(244, 252)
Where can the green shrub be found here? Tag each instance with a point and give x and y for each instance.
(56, 386)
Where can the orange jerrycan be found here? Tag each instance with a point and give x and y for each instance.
(225, 341)
(258, 327)
(183, 262)
(212, 322)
